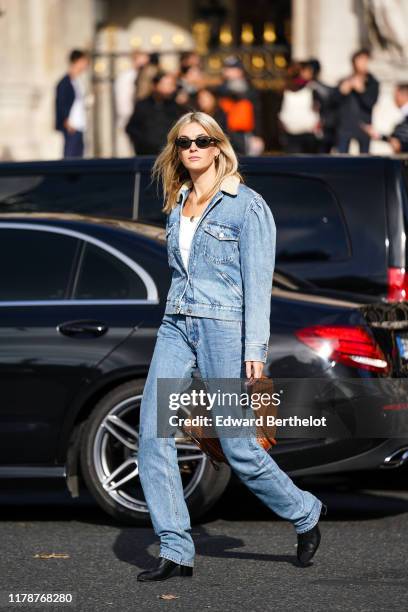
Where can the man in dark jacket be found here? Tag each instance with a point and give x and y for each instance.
(356, 97)
(69, 105)
(154, 115)
(324, 103)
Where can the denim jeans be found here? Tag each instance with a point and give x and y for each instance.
(215, 346)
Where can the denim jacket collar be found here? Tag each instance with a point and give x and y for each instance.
(229, 184)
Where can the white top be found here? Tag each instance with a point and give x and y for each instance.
(77, 117)
(187, 229)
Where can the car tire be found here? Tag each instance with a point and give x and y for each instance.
(207, 488)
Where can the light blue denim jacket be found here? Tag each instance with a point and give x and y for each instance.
(230, 265)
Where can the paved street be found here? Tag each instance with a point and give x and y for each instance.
(245, 556)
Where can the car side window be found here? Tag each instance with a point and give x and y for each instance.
(103, 276)
(309, 221)
(35, 264)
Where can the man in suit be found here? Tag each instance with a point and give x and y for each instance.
(70, 116)
(398, 139)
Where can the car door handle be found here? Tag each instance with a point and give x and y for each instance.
(87, 328)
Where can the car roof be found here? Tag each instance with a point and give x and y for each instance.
(144, 229)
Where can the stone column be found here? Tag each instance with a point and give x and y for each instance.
(327, 30)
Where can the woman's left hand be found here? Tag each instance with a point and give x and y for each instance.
(254, 369)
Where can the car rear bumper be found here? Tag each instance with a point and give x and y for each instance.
(369, 459)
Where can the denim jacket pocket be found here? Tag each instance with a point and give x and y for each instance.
(221, 242)
(232, 284)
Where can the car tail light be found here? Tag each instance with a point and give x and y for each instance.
(397, 283)
(350, 345)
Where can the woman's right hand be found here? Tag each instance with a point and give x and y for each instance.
(254, 369)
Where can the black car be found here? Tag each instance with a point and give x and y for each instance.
(81, 300)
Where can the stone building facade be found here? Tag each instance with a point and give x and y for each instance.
(37, 36)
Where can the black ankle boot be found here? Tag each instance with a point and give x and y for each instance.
(308, 542)
(165, 568)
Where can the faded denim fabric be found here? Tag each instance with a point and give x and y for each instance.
(216, 347)
(231, 263)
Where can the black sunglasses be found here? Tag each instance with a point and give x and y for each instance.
(202, 142)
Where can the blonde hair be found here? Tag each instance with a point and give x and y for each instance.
(169, 169)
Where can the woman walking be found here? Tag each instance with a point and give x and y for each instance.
(221, 246)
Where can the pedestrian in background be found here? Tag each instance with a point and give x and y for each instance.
(398, 139)
(70, 111)
(356, 96)
(190, 58)
(189, 81)
(126, 92)
(153, 116)
(298, 118)
(144, 80)
(324, 104)
(207, 102)
(240, 102)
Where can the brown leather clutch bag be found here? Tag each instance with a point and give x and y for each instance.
(265, 434)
